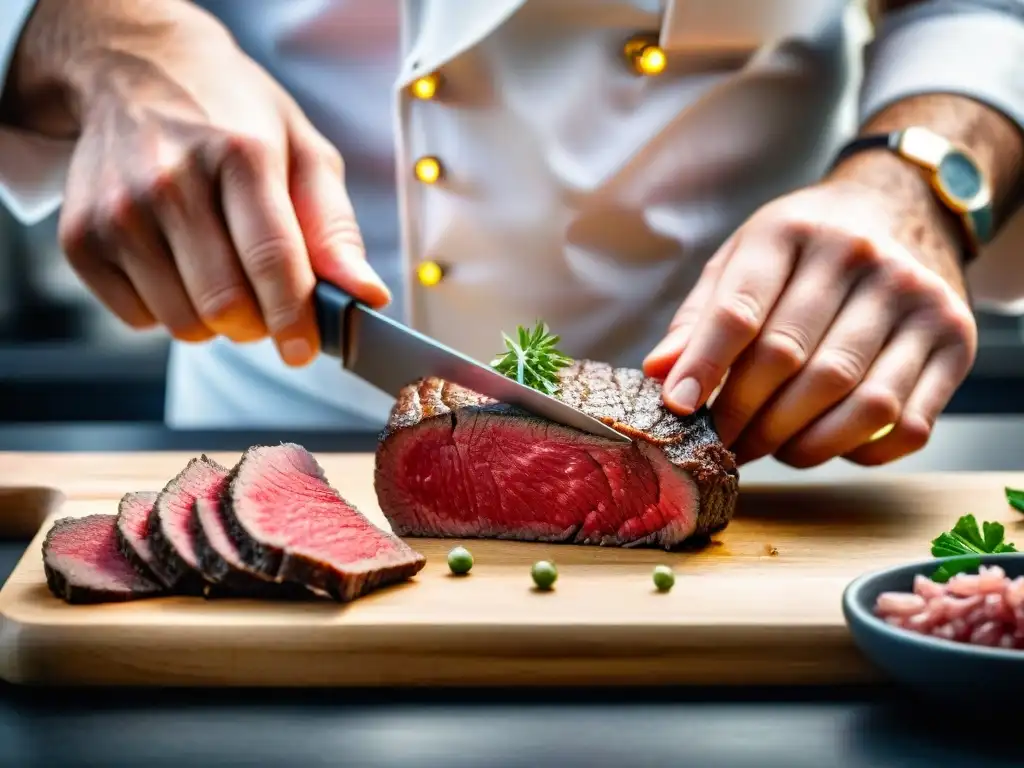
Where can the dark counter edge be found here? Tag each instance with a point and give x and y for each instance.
(150, 436)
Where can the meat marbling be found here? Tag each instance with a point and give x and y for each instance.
(452, 463)
(291, 525)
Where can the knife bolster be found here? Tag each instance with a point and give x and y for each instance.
(332, 319)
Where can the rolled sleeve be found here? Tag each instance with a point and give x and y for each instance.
(32, 168)
(973, 49)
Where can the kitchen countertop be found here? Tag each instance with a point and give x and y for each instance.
(698, 727)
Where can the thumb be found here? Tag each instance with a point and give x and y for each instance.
(328, 222)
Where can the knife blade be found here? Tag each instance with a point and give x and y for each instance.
(390, 355)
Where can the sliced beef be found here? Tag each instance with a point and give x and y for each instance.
(221, 562)
(171, 528)
(452, 463)
(83, 563)
(291, 525)
(133, 514)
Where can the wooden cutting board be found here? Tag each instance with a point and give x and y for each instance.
(761, 605)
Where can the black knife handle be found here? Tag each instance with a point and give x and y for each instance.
(332, 318)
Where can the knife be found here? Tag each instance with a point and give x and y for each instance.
(390, 355)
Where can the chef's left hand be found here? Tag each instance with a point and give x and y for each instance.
(836, 311)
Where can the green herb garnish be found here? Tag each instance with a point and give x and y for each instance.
(1015, 498)
(967, 540)
(532, 359)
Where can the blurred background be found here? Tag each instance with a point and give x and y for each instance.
(64, 358)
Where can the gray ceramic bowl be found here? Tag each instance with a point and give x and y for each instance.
(930, 664)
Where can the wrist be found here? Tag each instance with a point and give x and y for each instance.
(919, 220)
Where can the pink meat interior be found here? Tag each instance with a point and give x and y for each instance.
(133, 520)
(281, 498)
(177, 507)
(212, 522)
(86, 552)
(492, 476)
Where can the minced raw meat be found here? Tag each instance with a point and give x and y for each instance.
(986, 608)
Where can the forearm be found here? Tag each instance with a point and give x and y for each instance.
(69, 50)
(910, 80)
(929, 227)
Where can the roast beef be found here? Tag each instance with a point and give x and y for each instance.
(221, 562)
(291, 525)
(171, 529)
(84, 563)
(452, 463)
(133, 514)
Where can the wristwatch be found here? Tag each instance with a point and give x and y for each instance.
(954, 175)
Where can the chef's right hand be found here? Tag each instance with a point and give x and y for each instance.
(199, 196)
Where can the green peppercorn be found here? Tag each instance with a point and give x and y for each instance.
(460, 561)
(544, 574)
(664, 578)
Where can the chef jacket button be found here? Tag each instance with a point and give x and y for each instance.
(429, 273)
(425, 87)
(646, 56)
(428, 169)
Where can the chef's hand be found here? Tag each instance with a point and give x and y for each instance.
(837, 311)
(199, 196)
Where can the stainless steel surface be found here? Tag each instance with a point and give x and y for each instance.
(390, 355)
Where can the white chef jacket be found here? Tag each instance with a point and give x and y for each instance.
(573, 189)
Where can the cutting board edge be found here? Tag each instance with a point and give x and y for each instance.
(29, 662)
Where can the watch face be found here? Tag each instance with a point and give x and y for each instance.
(959, 178)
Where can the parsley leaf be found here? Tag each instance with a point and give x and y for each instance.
(966, 539)
(1015, 498)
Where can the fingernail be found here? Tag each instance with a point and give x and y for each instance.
(296, 351)
(685, 394)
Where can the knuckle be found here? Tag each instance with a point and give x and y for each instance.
(246, 155)
(786, 347)
(741, 314)
(906, 281)
(795, 227)
(878, 404)
(331, 157)
(266, 259)
(215, 303)
(957, 323)
(165, 186)
(838, 369)
(340, 232)
(284, 314)
(116, 213)
(916, 432)
(859, 254)
(74, 229)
